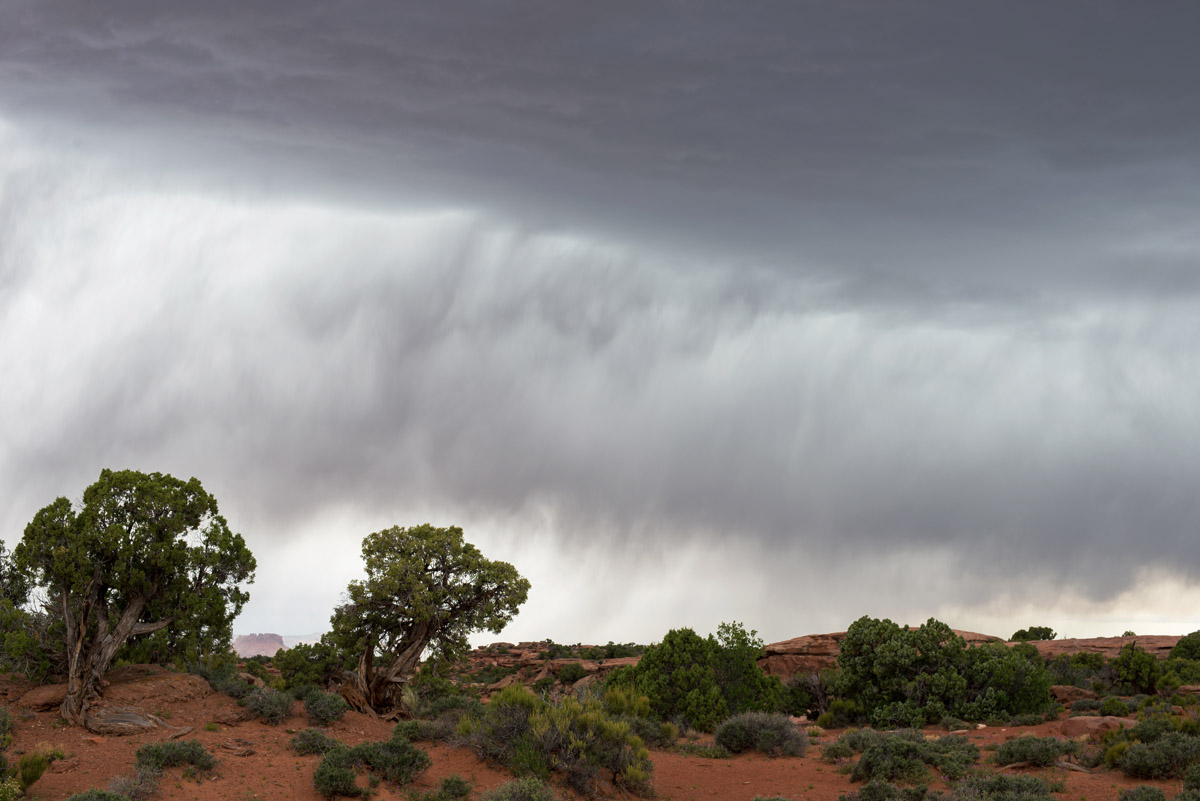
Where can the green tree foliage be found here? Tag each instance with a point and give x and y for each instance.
(145, 551)
(1034, 633)
(704, 680)
(1137, 668)
(426, 590)
(305, 664)
(1188, 647)
(914, 677)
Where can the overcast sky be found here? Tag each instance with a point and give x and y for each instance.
(782, 312)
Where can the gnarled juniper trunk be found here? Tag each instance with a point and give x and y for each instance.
(89, 657)
(373, 689)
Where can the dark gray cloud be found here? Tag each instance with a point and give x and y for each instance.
(824, 280)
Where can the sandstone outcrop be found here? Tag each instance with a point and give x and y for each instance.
(246, 645)
(1093, 726)
(1109, 647)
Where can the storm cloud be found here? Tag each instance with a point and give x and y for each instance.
(824, 310)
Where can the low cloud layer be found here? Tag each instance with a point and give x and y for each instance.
(772, 312)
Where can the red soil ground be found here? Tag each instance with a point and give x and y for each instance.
(274, 772)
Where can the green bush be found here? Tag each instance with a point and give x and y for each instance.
(1112, 705)
(906, 755)
(312, 741)
(30, 644)
(95, 795)
(571, 673)
(1191, 778)
(1188, 647)
(397, 761)
(1001, 788)
(173, 753)
(1078, 670)
(878, 790)
(323, 708)
(1034, 633)
(30, 768)
(527, 789)
(1136, 668)
(1040, 752)
(1085, 705)
(272, 706)
(6, 728)
(1142, 793)
(578, 739)
(914, 677)
(335, 774)
(773, 734)
(1168, 757)
(415, 731)
(306, 664)
(704, 680)
(10, 789)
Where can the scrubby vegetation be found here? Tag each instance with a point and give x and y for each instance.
(701, 681)
(1034, 633)
(577, 739)
(904, 755)
(324, 708)
(396, 761)
(312, 741)
(1040, 752)
(773, 734)
(527, 789)
(914, 677)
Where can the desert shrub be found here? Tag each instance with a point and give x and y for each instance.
(141, 786)
(1136, 668)
(323, 708)
(221, 673)
(10, 789)
(1085, 705)
(1002, 788)
(1112, 705)
(335, 774)
(702, 750)
(951, 723)
(532, 736)
(30, 768)
(458, 703)
(1151, 729)
(414, 731)
(1034, 633)
(877, 790)
(1141, 793)
(272, 706)
(1028, 719)
(527, 789)
(312, 741)
(1168, 757)
(1077, 670)
(1041, 752)
(306, 664)
(655, 733)
(172, 753)
(913, 677)
(397, 761)
(5, 728)
(1188, 647)
(93, 794)
(452, 788)
(627, 704)
(30, 643)
(571, 673)
(704, 680)
(773, 734)
(256, 669)
(1191, 778)
(905, 756)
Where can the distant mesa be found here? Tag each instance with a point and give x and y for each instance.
(246, 645)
